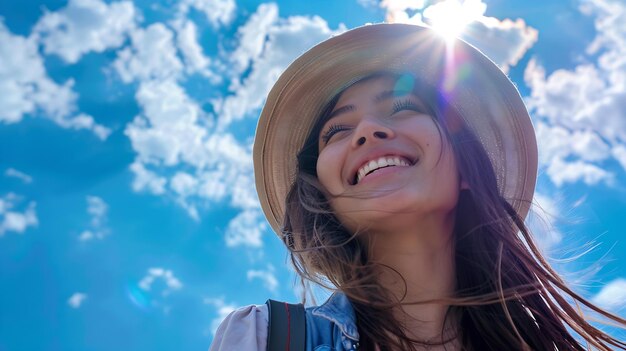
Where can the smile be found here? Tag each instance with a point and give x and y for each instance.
(381, 162)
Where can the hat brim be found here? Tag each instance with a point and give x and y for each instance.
(481, 93)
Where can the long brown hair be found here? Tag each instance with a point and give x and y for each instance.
(507, 296)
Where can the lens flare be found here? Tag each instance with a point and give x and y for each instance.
(138, 296)
(450, 17)
(404, 84)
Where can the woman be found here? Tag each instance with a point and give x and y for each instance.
(398, 168)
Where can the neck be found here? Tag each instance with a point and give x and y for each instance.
(421, 259)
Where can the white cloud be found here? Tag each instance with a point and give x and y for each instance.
(561, 172)
(97, 209)
(12, 172)
(397, 10)
(16, 221)
(589, 146)
(193, 55)
(146, 180)
(582, 148)
(173, 131)
(185, 185)
(76, 300)
(21, 72)
(84, 121)
(171, 282)
(217, 12)
(575, 98)
(223, 310)
(269, 51)
(169, 128)
(151, 56)
(26, 89)
(267, 276)
(619, 153)
(368, 3)
(581, 111)
(84, 26)
(86, 235)
(612, 296)
(246, 229)
(505, 42)
(252, 37)
(180, 152)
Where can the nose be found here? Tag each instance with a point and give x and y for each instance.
(371, 130)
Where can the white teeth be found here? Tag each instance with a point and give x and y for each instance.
(367, 168)
(380, 163)
(372, 165)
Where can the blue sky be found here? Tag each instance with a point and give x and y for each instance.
(128, 214)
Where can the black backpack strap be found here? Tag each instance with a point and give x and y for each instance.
(286, 330)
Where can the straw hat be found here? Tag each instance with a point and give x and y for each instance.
(481, 93)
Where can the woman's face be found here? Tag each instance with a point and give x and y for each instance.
(379, 156)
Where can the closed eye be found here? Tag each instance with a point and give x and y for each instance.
(332, 130)
(406, 104)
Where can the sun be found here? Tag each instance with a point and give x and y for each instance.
(450, 17)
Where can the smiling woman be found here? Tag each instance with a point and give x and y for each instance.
(399, 168)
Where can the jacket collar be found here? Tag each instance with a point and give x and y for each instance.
(338, 310)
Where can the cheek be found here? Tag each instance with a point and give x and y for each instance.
(443, 179)
(329, 170)
(449, 175)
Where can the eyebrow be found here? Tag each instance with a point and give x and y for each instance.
(380, 97)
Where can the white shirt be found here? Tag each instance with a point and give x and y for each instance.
(243, 329)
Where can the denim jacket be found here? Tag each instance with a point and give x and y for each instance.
(329, 327)
(332, 325)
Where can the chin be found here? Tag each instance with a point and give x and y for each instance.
(386, 212)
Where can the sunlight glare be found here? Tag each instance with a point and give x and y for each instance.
(450, 17)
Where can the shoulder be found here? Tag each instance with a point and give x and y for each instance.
(338, 311)
(333, 323)
(243, 329)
